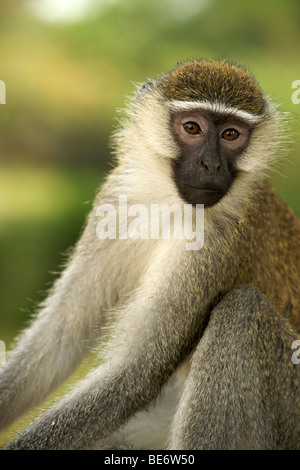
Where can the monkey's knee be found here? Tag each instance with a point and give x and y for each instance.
(246, 314)
(246, 327)
(242, 306)
(242, 391)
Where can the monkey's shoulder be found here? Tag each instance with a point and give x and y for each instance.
(271, 214)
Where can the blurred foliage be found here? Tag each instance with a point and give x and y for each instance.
(40, 222)
(64, 82)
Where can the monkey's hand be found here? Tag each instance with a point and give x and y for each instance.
(80, 417)
(96, 408)
(109, 395)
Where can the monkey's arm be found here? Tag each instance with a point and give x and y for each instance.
(60, 336)
(157, 329)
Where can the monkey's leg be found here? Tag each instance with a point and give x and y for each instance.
(243, 391)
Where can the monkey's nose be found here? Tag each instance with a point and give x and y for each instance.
(210, 165)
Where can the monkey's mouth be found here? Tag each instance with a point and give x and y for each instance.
(207, 195)
(200, 188)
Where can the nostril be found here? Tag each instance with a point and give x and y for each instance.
(205, 165)
(211, 166)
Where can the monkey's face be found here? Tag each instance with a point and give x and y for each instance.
(209, 147)
(208, 126)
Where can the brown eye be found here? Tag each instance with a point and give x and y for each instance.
(230, 134)
(192, 128)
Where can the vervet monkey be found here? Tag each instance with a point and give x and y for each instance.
(199, 351)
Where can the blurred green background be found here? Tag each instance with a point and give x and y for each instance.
(67, 65)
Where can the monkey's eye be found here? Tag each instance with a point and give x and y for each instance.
(230, 134)
(192, 128)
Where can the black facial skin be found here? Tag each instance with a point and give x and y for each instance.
(205, 169)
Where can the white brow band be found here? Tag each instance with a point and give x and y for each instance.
(216, 108)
